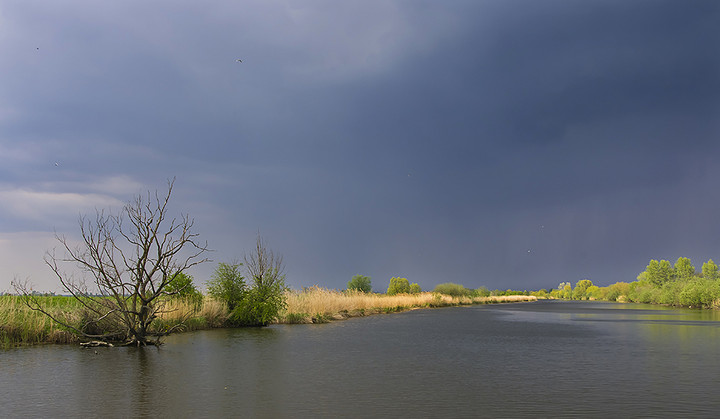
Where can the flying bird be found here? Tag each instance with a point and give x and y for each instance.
(238, 60)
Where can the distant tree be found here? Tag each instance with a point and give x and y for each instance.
(666, 272)
(565, 290)
(398, 286)
(415, 288)
(580, 291)
(684, 269)
(227, 284)
(452, 289)
(710, 270)
(481, 292)
(657, 273)
(360, 283)
(651, 273)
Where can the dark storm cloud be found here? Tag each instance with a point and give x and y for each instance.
(438, 141)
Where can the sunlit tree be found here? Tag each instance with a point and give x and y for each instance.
(398, 286)
(684, 269)
(360, 283)
(710, 270)
(579, 293)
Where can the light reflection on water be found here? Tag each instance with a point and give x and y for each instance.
(545, 359)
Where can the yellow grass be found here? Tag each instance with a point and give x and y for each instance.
(20, 324)
(317, 304)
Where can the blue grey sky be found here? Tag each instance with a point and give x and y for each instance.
(507, 144)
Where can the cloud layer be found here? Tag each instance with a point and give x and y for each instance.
(506, 144)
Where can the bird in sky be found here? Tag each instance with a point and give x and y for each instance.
(238, 60)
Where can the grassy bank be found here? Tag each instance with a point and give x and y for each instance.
(318, 305)
(19, 325)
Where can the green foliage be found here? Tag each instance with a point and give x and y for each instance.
(360, 283)
(564, 290)
(684, 269)
(481, 292)
(453, 290)
(415, 288)
(710, 270)
(265, 298)
(260, 305)
(657, 273)
(227, 284)
(616, 291)
(398, 286)
(580, 291)
(182, 286)
(699, 293)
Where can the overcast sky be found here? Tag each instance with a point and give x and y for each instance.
(507, 144)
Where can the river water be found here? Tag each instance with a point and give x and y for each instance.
(542, 359)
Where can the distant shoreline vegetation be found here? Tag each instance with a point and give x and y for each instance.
(678, 285)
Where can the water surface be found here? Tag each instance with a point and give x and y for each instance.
(543, 359)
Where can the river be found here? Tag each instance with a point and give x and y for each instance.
(542, 359)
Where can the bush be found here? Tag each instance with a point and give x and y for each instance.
(398, 286)
(265, 299)
(453, 290)
(481, 292)
(415, 288)
(698, 293)
(227, 284)
(259, 307)
(360, 283)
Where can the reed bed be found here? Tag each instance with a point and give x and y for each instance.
(319, 305)
(19, 324)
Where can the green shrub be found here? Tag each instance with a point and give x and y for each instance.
(360, 283)
(398, 286)
(698, 293)
(415, 288)
(451, 289)
(260, 305)
(227, 284)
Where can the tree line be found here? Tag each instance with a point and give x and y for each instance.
(678, 284)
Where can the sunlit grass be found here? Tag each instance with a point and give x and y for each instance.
(20, 324)
(317, 305)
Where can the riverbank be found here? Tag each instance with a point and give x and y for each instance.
(19, 325)
(320, 305)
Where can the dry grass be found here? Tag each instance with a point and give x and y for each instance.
(20, 324)
(315, 304)
(204, 314)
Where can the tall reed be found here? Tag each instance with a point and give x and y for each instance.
(316, 304)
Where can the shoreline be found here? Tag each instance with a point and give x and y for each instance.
(20, 326)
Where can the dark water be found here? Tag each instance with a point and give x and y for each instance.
(545, 359)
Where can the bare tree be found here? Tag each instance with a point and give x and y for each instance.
(264, 267)
(130, 259)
